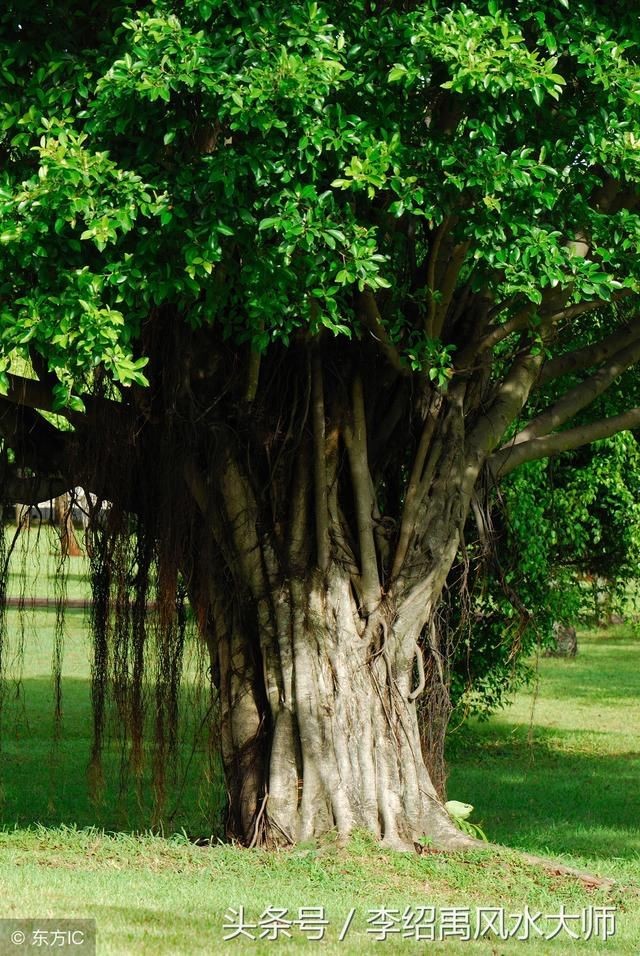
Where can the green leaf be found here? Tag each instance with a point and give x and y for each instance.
(458, 810)
(269, 223)
(397, 72)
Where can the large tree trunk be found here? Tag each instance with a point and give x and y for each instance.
(314, 505)
(319, 727)
(318, 668)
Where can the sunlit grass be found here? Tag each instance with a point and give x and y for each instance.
(153, 895)
(559, 771)
(35, 567)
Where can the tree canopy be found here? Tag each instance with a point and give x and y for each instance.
(279, 169)
(311, 278)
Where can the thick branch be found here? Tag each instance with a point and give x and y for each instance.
(515, 324)
(448, 286)
(299, 544)
(591, 355)
(582, 395)
(36, 443)
(253, 375)
(434, 252)
(508, 404)
(579, 247)
(29, 392)
(197, 485)
(343, 546)
(356, 441)
(505, 460)
(521, 319)
(415, 489)
(232, 517)
(370, 317)
(30, 491)
(37, 446)
(238, 501)
(319, 462)
(381, 445)
(573, 311)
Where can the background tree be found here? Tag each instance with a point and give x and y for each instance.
(295, 276)
(601, 487)
(558, 524)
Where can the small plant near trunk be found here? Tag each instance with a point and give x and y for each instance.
(459, 813)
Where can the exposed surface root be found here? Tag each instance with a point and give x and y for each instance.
(550, 867)
(590, 880)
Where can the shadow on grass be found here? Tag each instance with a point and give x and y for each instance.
(540, 797)
(46, 781)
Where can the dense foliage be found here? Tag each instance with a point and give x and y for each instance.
(562, 546)
(252, 164)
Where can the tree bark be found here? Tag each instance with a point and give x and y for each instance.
(320, 729)
(333, 571)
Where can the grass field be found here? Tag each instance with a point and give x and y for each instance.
(561, 781)
(563, 766)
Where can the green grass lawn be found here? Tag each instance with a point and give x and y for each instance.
(35, 562)
(559, 771)
(44, 780)
(560, 780)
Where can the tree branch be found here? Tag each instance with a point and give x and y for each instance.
(413, 494)
(515, 324)
(381, 446)
(507, 459)
(508, 404)
(253, 375)
(16, 489)
(356, 442)
(36, 443)
(299, 509)
(572, 311)
(196, 484)
(31, 393)
(579, 397)
(370, 317)
(448, 285)
(343, 546)
(521, 319)
(432, 261)
(591, 355)
(319, 461)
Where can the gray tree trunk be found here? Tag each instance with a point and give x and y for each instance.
(320, 730)
(566, 641)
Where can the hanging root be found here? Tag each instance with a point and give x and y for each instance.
(422, 680)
